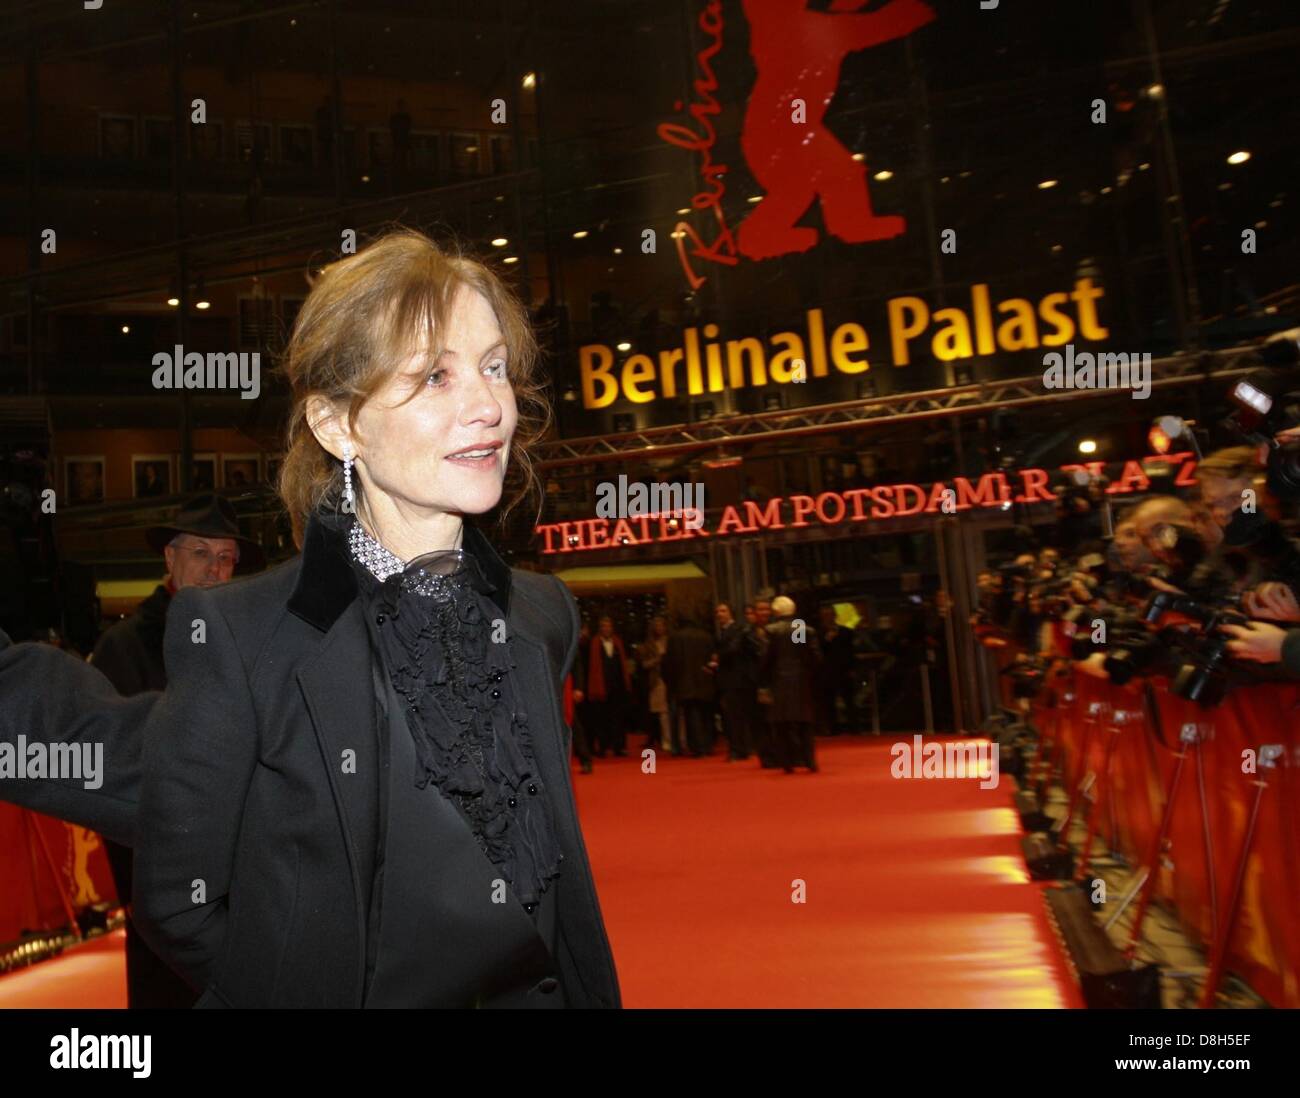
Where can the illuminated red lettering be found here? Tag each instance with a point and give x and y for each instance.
(901, 490)
(769, 518)
(838, 500)
(1035, 481)
(802, 506)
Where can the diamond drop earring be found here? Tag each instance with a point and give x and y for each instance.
(349, 500)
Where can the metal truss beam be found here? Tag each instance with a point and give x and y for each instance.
(737, 431)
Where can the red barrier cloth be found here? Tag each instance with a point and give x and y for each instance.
(30, 883)
(1265, 944)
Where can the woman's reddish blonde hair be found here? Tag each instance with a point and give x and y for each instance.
(363, 317)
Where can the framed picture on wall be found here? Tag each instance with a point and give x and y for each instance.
(240, 470)
(203, 472)
(83, 478)
(116, 137)
(273, 463)
(151, 475)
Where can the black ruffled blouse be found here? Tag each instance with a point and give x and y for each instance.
(444, 646)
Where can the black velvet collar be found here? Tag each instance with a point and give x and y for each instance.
(327, 585)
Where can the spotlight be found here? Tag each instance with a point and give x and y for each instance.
(1088, 446)
(1239, 157)
(499, 242)
(1166, 430)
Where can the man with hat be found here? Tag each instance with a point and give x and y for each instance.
(202, 548)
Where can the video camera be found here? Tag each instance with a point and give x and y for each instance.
(1203, 677)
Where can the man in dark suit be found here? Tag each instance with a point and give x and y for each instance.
(687, 672)
(737, 682)
(201, 549)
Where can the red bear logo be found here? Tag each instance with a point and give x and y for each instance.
(798, 54)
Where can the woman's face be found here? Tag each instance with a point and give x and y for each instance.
(446, 448)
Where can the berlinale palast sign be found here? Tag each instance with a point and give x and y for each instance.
(705, 363)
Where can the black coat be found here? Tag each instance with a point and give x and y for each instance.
(690, 649)
(130, 653)
(789, 671)
(256, 844)
(737, 663)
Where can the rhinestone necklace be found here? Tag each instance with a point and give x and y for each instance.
(381, 563)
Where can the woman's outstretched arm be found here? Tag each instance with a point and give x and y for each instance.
(200, 750)
(62, 711)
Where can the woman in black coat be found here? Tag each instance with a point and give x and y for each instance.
(355, 789)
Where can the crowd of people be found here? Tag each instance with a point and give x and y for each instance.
(1201, 590)
(765, 684)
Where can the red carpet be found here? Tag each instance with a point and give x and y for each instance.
(916, 892)
(91, 975)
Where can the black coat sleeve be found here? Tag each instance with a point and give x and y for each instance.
(115, 661)
(49, 696)
(200, 749)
